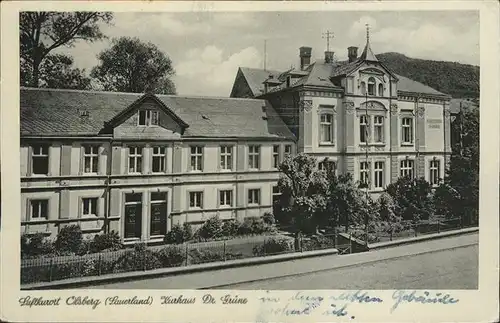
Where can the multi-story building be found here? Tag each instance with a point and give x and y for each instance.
(359, 115)
(138, 164)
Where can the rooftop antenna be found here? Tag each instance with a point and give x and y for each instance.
(328, 35)
(265, 54)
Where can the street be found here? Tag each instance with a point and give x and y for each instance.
(447, 263)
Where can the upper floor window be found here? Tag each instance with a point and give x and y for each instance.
(380, 89)
(226, 157)
(407, 167)
(364, 173)
(226, 198)
(254, 157)
(196, 199)
(134, 159)
(159, 160)
(40, 160)
(148, 118)
(39, 209)
(363, 128)
(326, 128)
(89, 207)
(288, 149)
(90, 158)
(196, 158)
(379, 174)
(378, 124)
(371, 86)
(254, 196)
(434, 166)
(407, 130)
(276, 156)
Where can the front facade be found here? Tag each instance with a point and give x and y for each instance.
(359, 115)
(139, 164)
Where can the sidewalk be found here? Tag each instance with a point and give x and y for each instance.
(227, 277)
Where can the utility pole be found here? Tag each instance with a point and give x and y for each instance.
(328, 35)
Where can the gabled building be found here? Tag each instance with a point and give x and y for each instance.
(359, 115)
(140, 163)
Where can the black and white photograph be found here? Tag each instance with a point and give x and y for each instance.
(259, 150)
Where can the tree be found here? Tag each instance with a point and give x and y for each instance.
(42, 32)
(463, 171)
(389, 219)
(303, 191)
(132, 66)
(413, 198)
(57, 71)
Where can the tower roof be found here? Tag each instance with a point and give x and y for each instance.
(368, 54)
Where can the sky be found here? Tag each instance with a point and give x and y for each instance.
(207, 48)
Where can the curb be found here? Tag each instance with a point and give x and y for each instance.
(433, 236)
(136, 275)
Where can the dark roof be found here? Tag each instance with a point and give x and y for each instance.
(255, 77)
(408, 85)
(53, 112)
(367, 54)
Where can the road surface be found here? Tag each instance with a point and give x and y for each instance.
(448, 263)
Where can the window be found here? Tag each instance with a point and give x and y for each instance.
(254, 196)
(226, 157)
(407, 130)
(134, 159)
(378, 124)
(276, 199)
(148, 118)
(196, 199)
(380, 89)
(288, 149)
(39, 209)
(371, 86)
(327, 164)
(133, 215)
(90, 159)
(364, 173)
(197, 158)
(276, 156)
(159, 160)
(434, 172)
(407, 168)
(253, 157)
(363, 88)
(40, 158)
(89, 207)
(326, 127)
(226, 198)
(158, 213)
(379, 174)
(363, 129)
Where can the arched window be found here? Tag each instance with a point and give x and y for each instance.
(380, 89)
(371, 86)
(363, 88)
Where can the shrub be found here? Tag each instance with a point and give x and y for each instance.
(179, 234)
(36, 245)
(106, 241)
(85, 247)
(171, 256)
(230, 228)
(212, 228)
(254, 225)
(268, 218)
(318, 243)
(140, 258)
(69, 238)
(272, 246)
(203, 256)
(245, 227)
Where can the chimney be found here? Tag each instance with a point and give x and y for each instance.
(352, 53)
(329, 57)
(305, 57)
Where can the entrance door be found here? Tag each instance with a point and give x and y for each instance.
(133, 215)
(158, 213)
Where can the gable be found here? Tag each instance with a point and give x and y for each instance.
(167, 127)
(376, 70)
(241, 89)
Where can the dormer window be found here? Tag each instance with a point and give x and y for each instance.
(148, 118)
(371, 86)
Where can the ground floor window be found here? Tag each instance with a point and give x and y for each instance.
(89, 207)
(158, 213)
(407, 168)
(434, 166)
(133, 215)
(254, 196)
(39, 209)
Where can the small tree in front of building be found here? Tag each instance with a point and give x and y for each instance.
(413, 198)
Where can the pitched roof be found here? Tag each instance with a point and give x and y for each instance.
(255, 77)
(408, 85)
(53, 112)
(367, 54)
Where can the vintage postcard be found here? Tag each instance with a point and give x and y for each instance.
(249, 161)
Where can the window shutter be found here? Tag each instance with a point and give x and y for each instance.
(30, 161)
(189, 168)
(101, 168)
(81, 159)
(127, 161)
